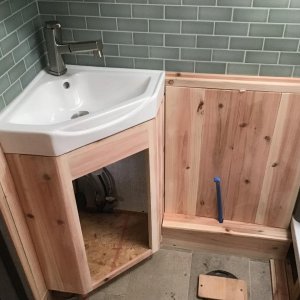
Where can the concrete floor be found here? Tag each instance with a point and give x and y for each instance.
(172, 274)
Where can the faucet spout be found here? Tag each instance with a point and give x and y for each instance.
(56, 48)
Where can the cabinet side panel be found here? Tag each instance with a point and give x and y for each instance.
(282, 176)
(184, 118)
(48, 202)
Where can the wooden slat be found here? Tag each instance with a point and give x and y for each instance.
(282, 176)
(99, 154)
(279, 280)
(13, 216)
(220, 288)
(230, 237)
(237, 82)
(184, 118)
(49, 205)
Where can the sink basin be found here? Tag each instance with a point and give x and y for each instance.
(55, 115)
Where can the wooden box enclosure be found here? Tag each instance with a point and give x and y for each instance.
(244, 130)
(45, 188)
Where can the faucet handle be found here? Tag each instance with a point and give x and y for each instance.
(53, 24)
(98, 53)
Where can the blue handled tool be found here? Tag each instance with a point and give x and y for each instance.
(217, 180)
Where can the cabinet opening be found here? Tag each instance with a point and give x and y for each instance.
(112, 206)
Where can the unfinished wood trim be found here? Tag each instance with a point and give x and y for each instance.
(279, 280)
(240, 238)
(54, 226)
(99, 154)
(294, 286)
(15, 222)
(238, 82)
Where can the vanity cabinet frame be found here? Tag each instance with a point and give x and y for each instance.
(45, 189)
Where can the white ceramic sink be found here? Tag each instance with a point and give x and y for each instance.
(55, 115)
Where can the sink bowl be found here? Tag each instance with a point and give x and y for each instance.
(55, 115)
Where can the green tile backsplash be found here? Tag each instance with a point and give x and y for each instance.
(21, 47)
(251, 37)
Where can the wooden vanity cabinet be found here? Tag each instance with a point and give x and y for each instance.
(244, 130)
(45, 189)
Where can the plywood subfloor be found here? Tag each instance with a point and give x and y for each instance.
(112, 240)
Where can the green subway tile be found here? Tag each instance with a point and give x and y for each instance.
(164, 52)
(117, 37)
(281, 44)
(101, 23)
(86, 35)
(102, 1)
(70, 59)
(89, 60)
(134, 51)
(228, 55)
(276, 71)
(250, 15)
(266, 30)
(153, 39)
(5, 10)
(9, 43)
(26, 30)
(196, 54)
(226, 28)
(297, 72)
(67, 35)
(115, 10)
(210, 67)
(30, 11)
(197, 27)
(37, 38)
(170, 2)
(295, 4)
(4, 82)
(14, 91)
(72, 22)
(132, 1)
(148, 11)
(13, 22)
(21, 51)
(17, 70)
(270, 3)
(215, 13)
(175, 40)
(181, 12)
(33, 56)
(261, 57)
(242, 69)
(55, 8)
(179, 66)
(2, 103)
(132, 24)
(199, 2)
(40, 64)
(289, 59)
(119, 62)
(292, 31)
(84, 9)
(164, 26)
(152, 64)
(234, 3)
(28, 77)
(204, 41)
(17, 4)
(2, 31)
(284, 16)
(246, 43)
(111, 50)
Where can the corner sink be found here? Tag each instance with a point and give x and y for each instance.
(55, 115)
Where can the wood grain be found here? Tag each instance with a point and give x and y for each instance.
(279, 280)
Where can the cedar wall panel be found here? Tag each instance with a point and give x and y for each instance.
(240, 136)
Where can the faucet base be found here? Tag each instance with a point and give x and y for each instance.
(55, 73)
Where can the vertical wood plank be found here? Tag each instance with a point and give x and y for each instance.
(49, 205)
(279, 280)
(184, 117)
(253, 134)
(282, 175)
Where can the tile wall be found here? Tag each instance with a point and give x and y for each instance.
(255, 37)
(21, 48)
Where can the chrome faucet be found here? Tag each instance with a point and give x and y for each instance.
(55, 48)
